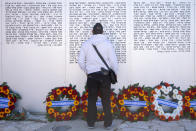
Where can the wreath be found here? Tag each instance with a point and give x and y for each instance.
(7, 101)
(158, 100)
(134, 96)
(62, 97)
(189, 102)
(100, 113)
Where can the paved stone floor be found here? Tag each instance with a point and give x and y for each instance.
(39, 123)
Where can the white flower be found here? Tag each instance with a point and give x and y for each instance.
(157, 90)
(175, 91)
(179, 108)
(159, 108)
(155, 103)
(175, 111)
(169, 88)
(167, 115)
(159, 94)
(155, 96)
(163, 88)
(174, 96)
(166, 91)
(179, 97)
(161, 112)
(173, 115)
(178, 113)
(180, 103)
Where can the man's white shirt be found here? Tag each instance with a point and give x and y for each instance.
(88, 59)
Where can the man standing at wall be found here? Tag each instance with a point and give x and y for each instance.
(97, 81)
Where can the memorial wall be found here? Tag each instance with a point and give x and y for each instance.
(40, 40)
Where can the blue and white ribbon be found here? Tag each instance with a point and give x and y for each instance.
(167, 103)
(127, 103)
(62, 103)
(134, 103)
(98, 103)
(192, 103)
(4, 102)
(4, 106)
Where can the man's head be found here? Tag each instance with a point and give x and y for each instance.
(97, 29)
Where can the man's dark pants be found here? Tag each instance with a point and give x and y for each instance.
(97, 82)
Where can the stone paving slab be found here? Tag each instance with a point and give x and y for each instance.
(157, 125)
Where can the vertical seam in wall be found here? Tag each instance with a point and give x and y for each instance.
(64, 10)
(1, 41)
(194, 44)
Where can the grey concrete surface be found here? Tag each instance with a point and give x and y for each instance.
(40, 123)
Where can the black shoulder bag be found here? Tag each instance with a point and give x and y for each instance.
(112, 74)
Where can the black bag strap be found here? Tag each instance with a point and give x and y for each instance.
(101, 57)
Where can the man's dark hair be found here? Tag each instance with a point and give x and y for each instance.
(98, 28)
